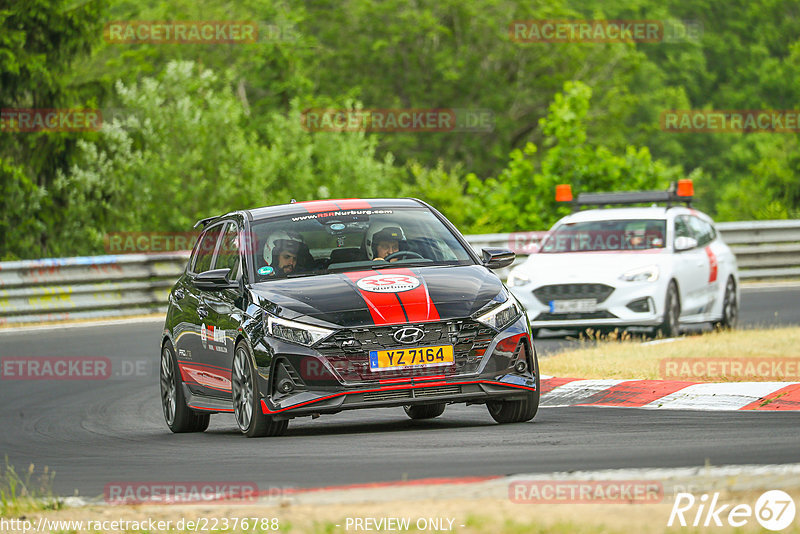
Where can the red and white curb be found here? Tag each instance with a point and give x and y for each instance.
(670, 395)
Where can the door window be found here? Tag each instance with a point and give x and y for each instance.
(701, 230)
(682, 227)
(228, 255)
(204, 250)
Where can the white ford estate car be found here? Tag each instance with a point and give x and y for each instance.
(640, 268)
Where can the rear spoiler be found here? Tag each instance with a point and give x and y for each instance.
(204, 222)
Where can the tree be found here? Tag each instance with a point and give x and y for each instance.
(521, 197)
(185, 149)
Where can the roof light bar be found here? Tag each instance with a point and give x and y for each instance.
(680, 192)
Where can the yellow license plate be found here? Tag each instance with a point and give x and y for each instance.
(380, 360)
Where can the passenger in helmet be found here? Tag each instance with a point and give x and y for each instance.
(384, 240)
(282, 251)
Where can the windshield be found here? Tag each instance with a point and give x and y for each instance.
(313, 244)
(596, 236)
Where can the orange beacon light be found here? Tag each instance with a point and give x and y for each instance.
(563, 193)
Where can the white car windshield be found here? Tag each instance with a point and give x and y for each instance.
(614, 236)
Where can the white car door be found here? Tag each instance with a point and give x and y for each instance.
(691, 270)
(705, 234)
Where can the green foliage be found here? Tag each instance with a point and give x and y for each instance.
(26, 493)
(198, 129)
(521, 197)
(19, 199)
(183, 145)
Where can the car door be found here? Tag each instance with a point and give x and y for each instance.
(224, 316)
(191, 342)
(691, 270)
(705, 234)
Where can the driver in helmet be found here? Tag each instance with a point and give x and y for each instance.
(383, 241)
(282, 250)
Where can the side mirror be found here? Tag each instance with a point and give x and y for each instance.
(497, 258)
(216, 279)
(684, 243)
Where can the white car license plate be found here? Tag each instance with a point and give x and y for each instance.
(574, 305)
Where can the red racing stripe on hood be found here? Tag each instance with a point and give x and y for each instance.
(385, 308)
(417, 302)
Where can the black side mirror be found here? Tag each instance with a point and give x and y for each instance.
(497, 258)
(216, 279)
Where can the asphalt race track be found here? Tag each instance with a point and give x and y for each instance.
(96, 432)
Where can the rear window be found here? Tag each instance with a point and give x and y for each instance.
(598, 236)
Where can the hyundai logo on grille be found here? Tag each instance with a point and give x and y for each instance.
(410, 334)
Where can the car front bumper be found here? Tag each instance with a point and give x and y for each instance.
(327, 382)
(628, 304)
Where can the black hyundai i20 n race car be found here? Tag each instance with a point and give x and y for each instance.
(316, 307)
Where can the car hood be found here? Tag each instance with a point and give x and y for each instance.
(385, 296)
(562, 268)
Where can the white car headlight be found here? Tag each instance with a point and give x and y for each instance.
(294, 332)
(642, 274)
(501, 315)
(517, 279)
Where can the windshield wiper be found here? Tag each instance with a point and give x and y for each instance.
(390, 265)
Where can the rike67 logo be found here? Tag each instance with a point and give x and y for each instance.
(774, 510)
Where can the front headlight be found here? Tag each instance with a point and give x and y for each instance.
(294, 332)
(643, 274)
(501, 315)
(517, 279)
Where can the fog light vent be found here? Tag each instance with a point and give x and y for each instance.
(642, 305)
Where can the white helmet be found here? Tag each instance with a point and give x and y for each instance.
(382, 231)
(280, 241)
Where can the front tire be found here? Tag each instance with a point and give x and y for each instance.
(424, 411)
(178, 416)
(730, 308)
(672, 312)
(246, 398)
(518, 411)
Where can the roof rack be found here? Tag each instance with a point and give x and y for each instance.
(680, 192)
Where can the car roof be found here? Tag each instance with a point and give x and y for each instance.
(316, 206)
(652, 212)
(323, 206)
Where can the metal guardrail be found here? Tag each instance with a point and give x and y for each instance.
(763, 249)
(88, 287)
(106, 286)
